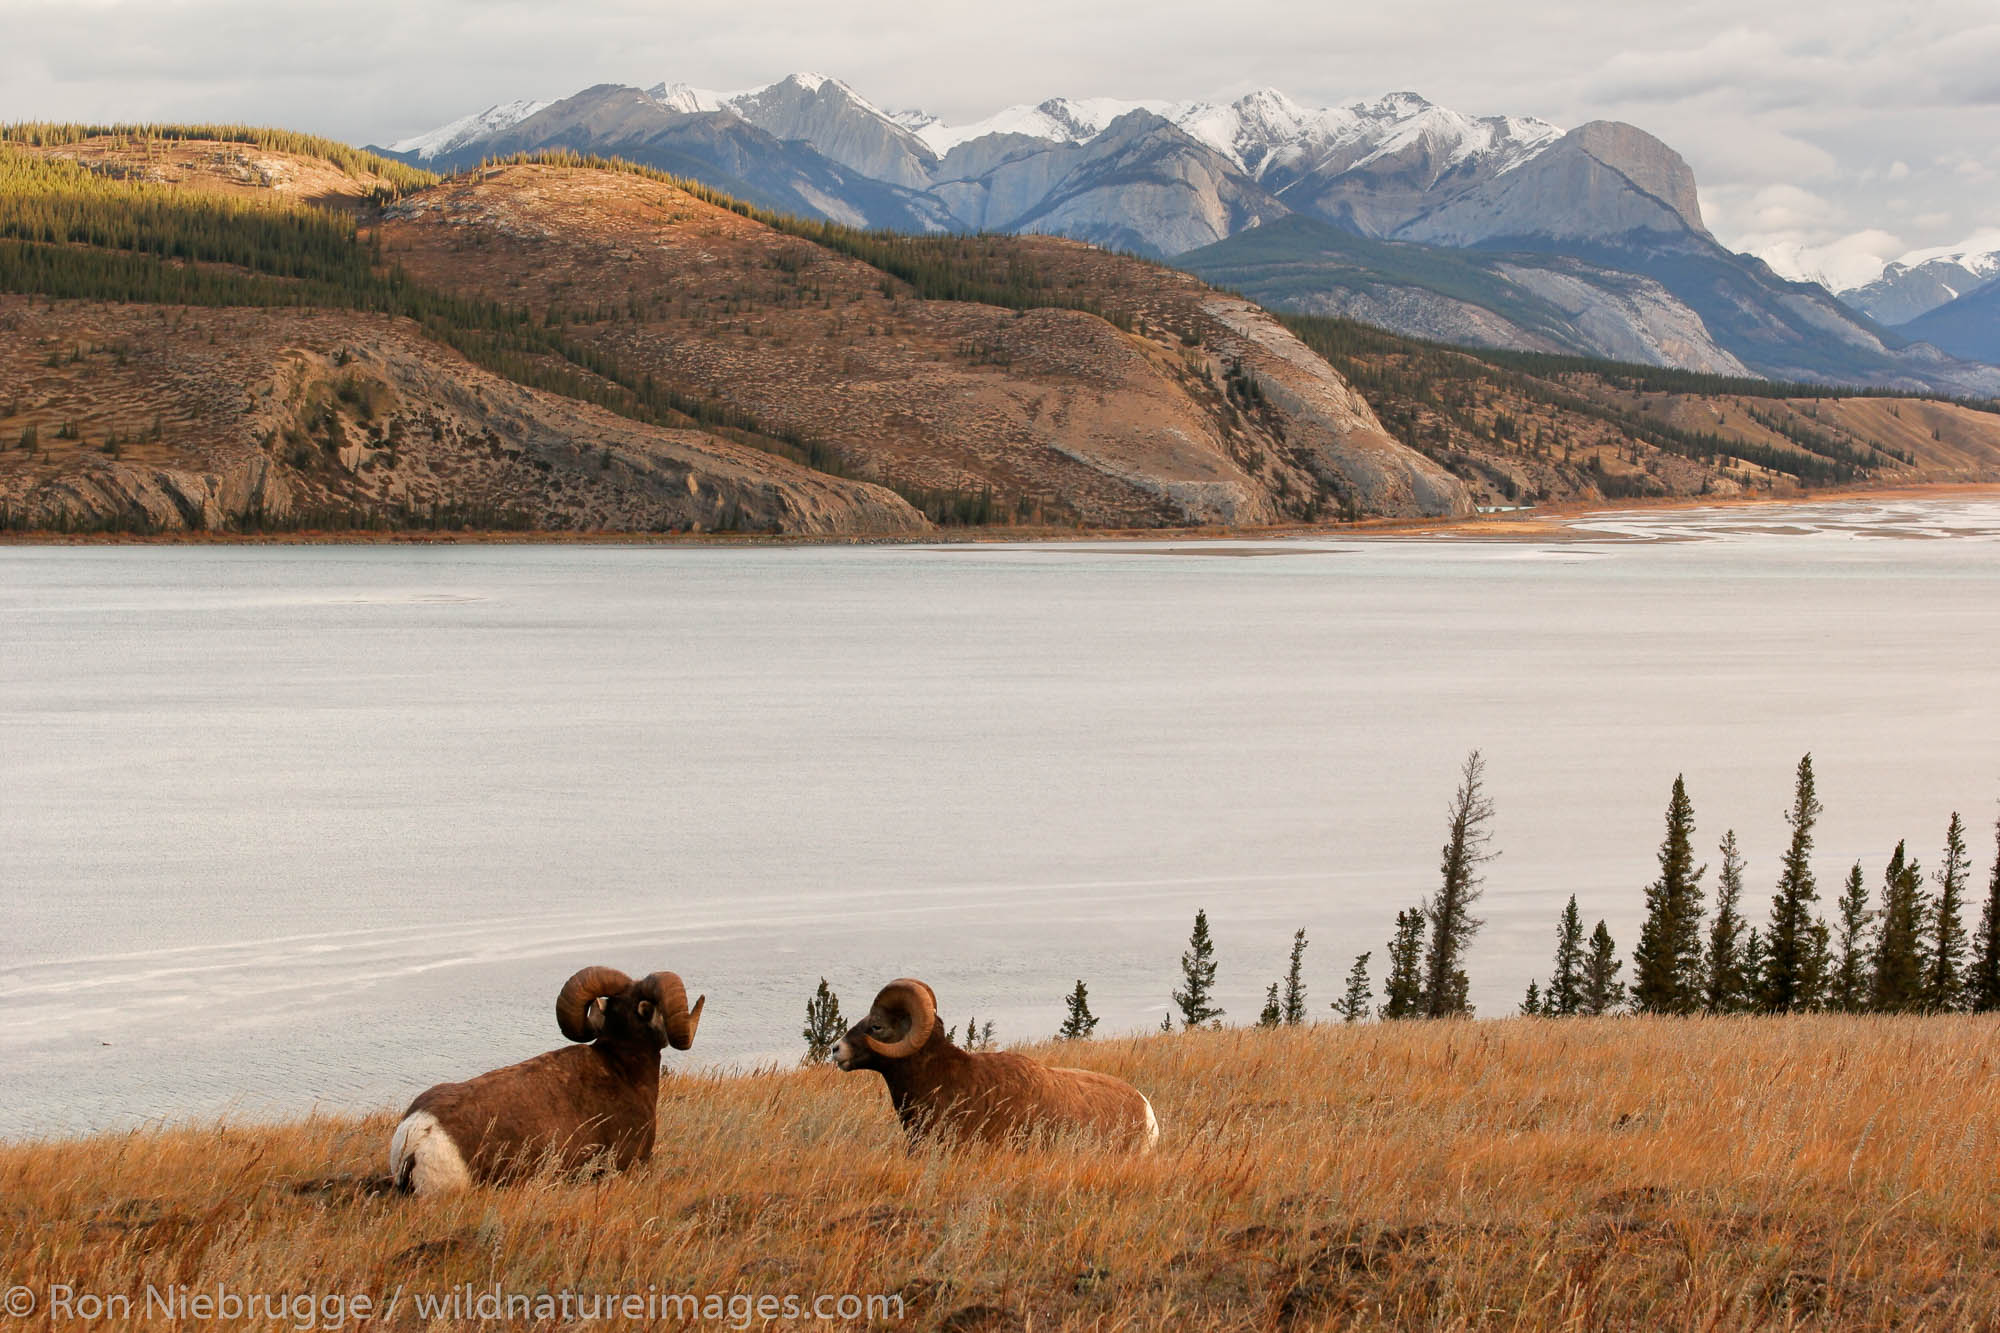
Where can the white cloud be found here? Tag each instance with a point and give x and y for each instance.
(1847, 261)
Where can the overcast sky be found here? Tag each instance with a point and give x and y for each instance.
(1848, 131)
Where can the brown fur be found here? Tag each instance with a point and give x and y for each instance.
(580, 1105)
(567, 1106)
(994, 1096)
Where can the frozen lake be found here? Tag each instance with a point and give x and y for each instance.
(295, 826)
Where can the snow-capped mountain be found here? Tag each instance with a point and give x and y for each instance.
(480, 125)
(1169, 178)
(1923, 280)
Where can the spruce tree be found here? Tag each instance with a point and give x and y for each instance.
(1078, 1022)
(1983, 985)
(1753, 968)
(1563, 997)
(1851, 988)
(1449, 910)
(1273, 1013)
(1198, 978)
(1944, 980)
(1531, 1003)
(1666, 964)
(1353, 1004)
(1294, 1009)
(1789, 943)
(1603, 992)
(1723, 982)
(824, 1026)
(1898, 983)
(1402, 989)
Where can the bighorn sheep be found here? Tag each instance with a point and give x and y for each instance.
(570, 1107)
(939, 1089)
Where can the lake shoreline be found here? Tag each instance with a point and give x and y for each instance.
(1540, 523)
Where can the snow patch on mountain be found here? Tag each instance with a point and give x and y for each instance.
(1060, 120)
(686, 98)
(479, 125)
(1978, 254)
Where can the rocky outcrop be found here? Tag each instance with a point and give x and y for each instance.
(1324, 414)
(1141, 185)
(840, 125)
(1600, 180)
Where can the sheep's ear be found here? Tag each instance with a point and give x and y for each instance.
(593, 1017)
(646, 1011)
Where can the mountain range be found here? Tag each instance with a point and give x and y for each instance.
(1496, 231)
(215, 328)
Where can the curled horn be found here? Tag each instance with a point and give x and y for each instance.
(574, 1000)
(671, 1015)
(920, 1002)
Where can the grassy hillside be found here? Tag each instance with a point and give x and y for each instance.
(1805, 1172)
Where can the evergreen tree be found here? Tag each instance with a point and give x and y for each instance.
(1273, 1013)
(1789, 943)
(1944, 979)
(1531, 1003)
(1753, 968)
(1563, 997)
(1603, 992)
(1898, 983)
(1402, 989)
(1078, 1022)
(1353, 1005)
(1294, 1009)
(824, 1026)
(1851, 986)
(1666, 964)
(1723, 983)
(1198, 978)
(1449, 910)
(1984, 983)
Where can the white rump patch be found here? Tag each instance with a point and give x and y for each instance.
(423, 1158)
(1152, 1126)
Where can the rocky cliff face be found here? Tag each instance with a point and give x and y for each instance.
(1331, 424)
(840, 125)
(1600, 180)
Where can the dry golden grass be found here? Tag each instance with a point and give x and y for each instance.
(1817, 1172)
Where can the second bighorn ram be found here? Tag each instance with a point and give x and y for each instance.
(940, 1090)
(583, 1104)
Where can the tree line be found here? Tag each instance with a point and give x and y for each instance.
(355, 162)
(1905, 949)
